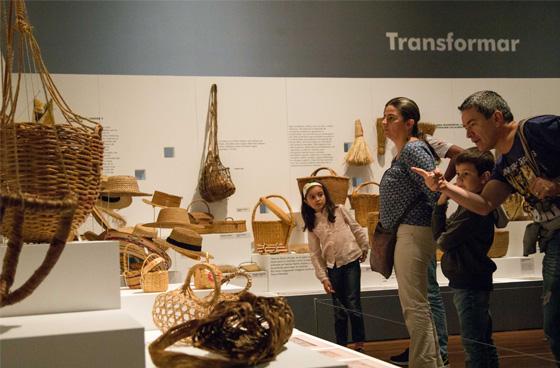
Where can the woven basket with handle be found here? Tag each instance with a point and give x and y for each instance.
(49, 173)
(336, 185)
(200, 217)
(181, 305)
(273, 232)
(215, 181)
(154, 275)
(363, 203)
(229, 225)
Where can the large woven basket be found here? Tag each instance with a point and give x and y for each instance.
(336, 185)
(500, 245)
(426, 127)
(49, 173)
(363, 203)
(272, 232)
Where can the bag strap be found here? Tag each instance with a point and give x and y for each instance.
(528, 153)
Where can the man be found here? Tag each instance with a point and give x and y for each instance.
(533, 172)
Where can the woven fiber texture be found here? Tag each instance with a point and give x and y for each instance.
(337, 185)
(224, 332)
(215, 181)
(276, 232)
(363, 203)
(181, 305)
(49, 173)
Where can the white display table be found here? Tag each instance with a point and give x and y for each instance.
(109, 339)
(301, 351)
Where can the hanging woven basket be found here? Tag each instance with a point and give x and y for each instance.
(49, 172)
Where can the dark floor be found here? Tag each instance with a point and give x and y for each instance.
(517, 349)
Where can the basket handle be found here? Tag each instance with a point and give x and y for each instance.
(314, 173)
(288, 219)
(150, 263)
(211, 298)
(235, 274)
(202, 201)
(363, 185)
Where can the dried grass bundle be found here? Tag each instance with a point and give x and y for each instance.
(381, 138)
(358, 154)
(224, 332)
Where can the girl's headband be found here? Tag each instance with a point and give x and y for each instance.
(309, 185)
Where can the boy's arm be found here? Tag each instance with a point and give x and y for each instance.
(316, 257)
(461, 224)
(438, 219)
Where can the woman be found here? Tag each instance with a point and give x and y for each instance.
(404, 196)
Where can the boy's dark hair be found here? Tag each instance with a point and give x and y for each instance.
(482, 161)
(308, 213)
(486, 103)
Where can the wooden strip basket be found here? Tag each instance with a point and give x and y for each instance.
(132, 275)
(229, 225)
(500, 244)
(154, 275)
(272, 231)
(336, 185)
(363, 203)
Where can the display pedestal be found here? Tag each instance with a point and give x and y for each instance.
(86, 339)
(73, 319)
(86, 277)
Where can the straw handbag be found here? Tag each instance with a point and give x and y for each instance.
(500, 244)
(336, 185)
(154, 275)
(181, 305)
(49, 173)
(273, 232)
(363, 203)
(199, 217)
(215, 181)
(204, 279)
(243, 333)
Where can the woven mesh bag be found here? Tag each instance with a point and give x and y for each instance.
(215, 181)
(49, 172)
(180, 305)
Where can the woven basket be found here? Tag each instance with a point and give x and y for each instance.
(204, 279)
(336, 185)
(132, 275)
(250, 266)
(154, 280)
(362, 203)
(49, 173)
(181, 305)
(500, 245)
(372, 220)
(274, 231)
(229, 225)
(215, 181)
(199, 217)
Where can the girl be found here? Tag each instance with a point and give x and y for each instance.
(333, 243)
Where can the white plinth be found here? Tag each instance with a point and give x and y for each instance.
(290, 272)
(139, 304)
(292, 356)
(85, 278)
(86, 339)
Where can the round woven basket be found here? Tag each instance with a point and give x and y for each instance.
(363, 203)
(49, 164)
(272, 231)
(336, 185)
(500, 245)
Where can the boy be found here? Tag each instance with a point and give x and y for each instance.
(465, 240)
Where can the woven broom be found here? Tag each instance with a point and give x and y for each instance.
(358, 154)
(381, 139)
